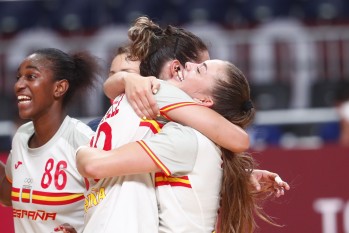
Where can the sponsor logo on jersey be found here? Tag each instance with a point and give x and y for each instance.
(18, 164)
(94, 198)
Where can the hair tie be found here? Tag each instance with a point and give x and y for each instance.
(247, 105)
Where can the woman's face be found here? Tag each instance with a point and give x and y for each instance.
(197, 80)
(34, 87)
(121, 63)
(165, 73)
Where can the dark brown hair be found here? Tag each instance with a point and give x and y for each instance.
(80, 69)
(154, 46)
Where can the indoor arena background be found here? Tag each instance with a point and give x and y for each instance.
(295, 54)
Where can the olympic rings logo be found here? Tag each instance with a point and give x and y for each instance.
(28, 180)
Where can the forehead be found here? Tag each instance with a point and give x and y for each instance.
(214, 64)
(35, 60)
(203, 56)
(120, 62)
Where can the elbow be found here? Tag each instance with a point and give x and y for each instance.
(243, 145)
(88, 170)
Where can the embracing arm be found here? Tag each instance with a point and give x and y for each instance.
(5, 187)
(139, 91)
(173, 150)
(125, 160)
(212, 125)
(201, 118)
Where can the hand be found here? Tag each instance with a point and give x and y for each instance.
(263, 180)
(139, 92)
(66, 228)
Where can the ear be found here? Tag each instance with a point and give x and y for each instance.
(175, 66)
(61, 88)
(206, 101)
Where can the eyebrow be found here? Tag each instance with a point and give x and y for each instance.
(204, 64)
(199, 67)
(29, 67)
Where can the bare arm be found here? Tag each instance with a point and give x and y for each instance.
(139, 91)
(5, 187)
(203, 119)
(212, 125)
(125, 160)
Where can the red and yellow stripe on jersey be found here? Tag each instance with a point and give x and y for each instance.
(44, 198)
(154, 158)
(164, 178)
(168, 108)
(161, 179)
(153, 125)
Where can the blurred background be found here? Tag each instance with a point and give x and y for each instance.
(295, 54)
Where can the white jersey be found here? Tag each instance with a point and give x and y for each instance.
(47, 189)
(188, 188)
(127, 203)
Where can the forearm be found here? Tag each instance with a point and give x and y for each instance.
(212, 125)
(114, 85)
(5, 187)
(125, 160)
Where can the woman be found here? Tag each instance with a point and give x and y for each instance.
(191, 197)
(47, 190)
(87, 167)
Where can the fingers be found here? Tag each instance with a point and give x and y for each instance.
(278, 180)
(280, 186)
(281, 183)
(144, 104)
(255, 184)
(155, 85)
(145, 107)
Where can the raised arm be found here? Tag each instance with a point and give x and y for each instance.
(5, 187)
(139, 91)
(203, 119)
(213, 126)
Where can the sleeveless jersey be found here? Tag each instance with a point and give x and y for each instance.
(188, 187)
(127, 203)
(47, 189)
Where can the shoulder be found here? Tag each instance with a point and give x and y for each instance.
(79, 130)
(205, 145)
(169, 95)
(25, 129)
(166, 89)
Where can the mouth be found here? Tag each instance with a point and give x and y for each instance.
(23, 99)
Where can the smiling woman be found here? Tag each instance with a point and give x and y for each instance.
(43, 149)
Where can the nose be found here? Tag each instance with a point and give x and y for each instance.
(20, 84)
